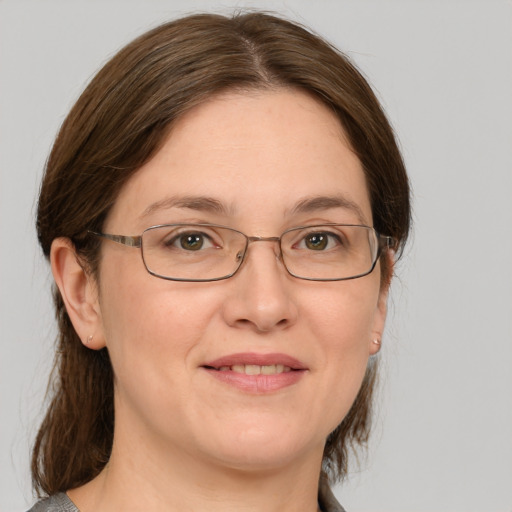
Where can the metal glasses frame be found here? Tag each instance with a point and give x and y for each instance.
(384, 243)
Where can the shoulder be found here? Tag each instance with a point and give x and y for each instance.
(56, 503)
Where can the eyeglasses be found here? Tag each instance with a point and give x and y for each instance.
(208, 252)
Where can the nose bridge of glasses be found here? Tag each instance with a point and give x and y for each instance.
(277, 239)
(264, 239)
(251, 239)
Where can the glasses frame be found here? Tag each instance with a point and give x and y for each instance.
(384, 243)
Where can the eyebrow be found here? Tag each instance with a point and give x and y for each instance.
(319, 203)
(212, 205)
(198, 203)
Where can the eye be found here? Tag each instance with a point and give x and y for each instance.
(319, 241)
(190, 241)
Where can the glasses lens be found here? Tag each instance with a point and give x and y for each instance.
(192, 252)
(331, 252)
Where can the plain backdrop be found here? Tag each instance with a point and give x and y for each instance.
(443, 69)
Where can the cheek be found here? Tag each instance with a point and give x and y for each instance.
(346, 313)
(346, 346)
(147, 319)
(152, 329)
(344, 322)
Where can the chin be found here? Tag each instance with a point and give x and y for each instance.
(258, 449)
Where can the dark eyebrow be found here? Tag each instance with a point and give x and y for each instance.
(212, 205)
(199, 203)
(316, 203)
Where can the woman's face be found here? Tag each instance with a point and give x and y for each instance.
(261, 163)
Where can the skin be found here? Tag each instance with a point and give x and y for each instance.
(183, 439)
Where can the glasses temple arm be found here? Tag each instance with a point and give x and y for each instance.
(131, 241)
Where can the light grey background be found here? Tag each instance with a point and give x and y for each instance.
(443, 437)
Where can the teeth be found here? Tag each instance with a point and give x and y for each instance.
(271, 369)
(254, 369)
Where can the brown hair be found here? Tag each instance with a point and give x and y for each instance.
(118, 123)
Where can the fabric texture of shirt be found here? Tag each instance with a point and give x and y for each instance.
(56, 503)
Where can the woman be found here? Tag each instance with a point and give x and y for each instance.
(231, 366)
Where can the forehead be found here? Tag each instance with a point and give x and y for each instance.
(255, 153)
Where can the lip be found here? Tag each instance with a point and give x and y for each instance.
(257, 359)
(256, 384)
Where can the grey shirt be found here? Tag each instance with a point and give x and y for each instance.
(61, 503)
(56, 503)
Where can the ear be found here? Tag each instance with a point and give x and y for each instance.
(382, 306)
(79, 293)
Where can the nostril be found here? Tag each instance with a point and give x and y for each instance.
(244, 322)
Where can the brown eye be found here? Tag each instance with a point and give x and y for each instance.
(191, 241)
(317, 241)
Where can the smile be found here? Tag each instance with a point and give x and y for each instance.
(257, 373)
(254, 369)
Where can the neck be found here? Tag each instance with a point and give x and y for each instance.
(140, 478)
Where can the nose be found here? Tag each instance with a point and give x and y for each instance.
(261, 297)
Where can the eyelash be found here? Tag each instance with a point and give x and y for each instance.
(205, 238)
(329, 235)
(178, 238)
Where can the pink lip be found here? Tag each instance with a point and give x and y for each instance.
(258, 359)
(257, 384)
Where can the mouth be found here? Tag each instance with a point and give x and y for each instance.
(257, 373)
(253, 369)
(251, 363)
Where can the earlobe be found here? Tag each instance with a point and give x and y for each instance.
(378, 327)
(79, 293)
(375, 342)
